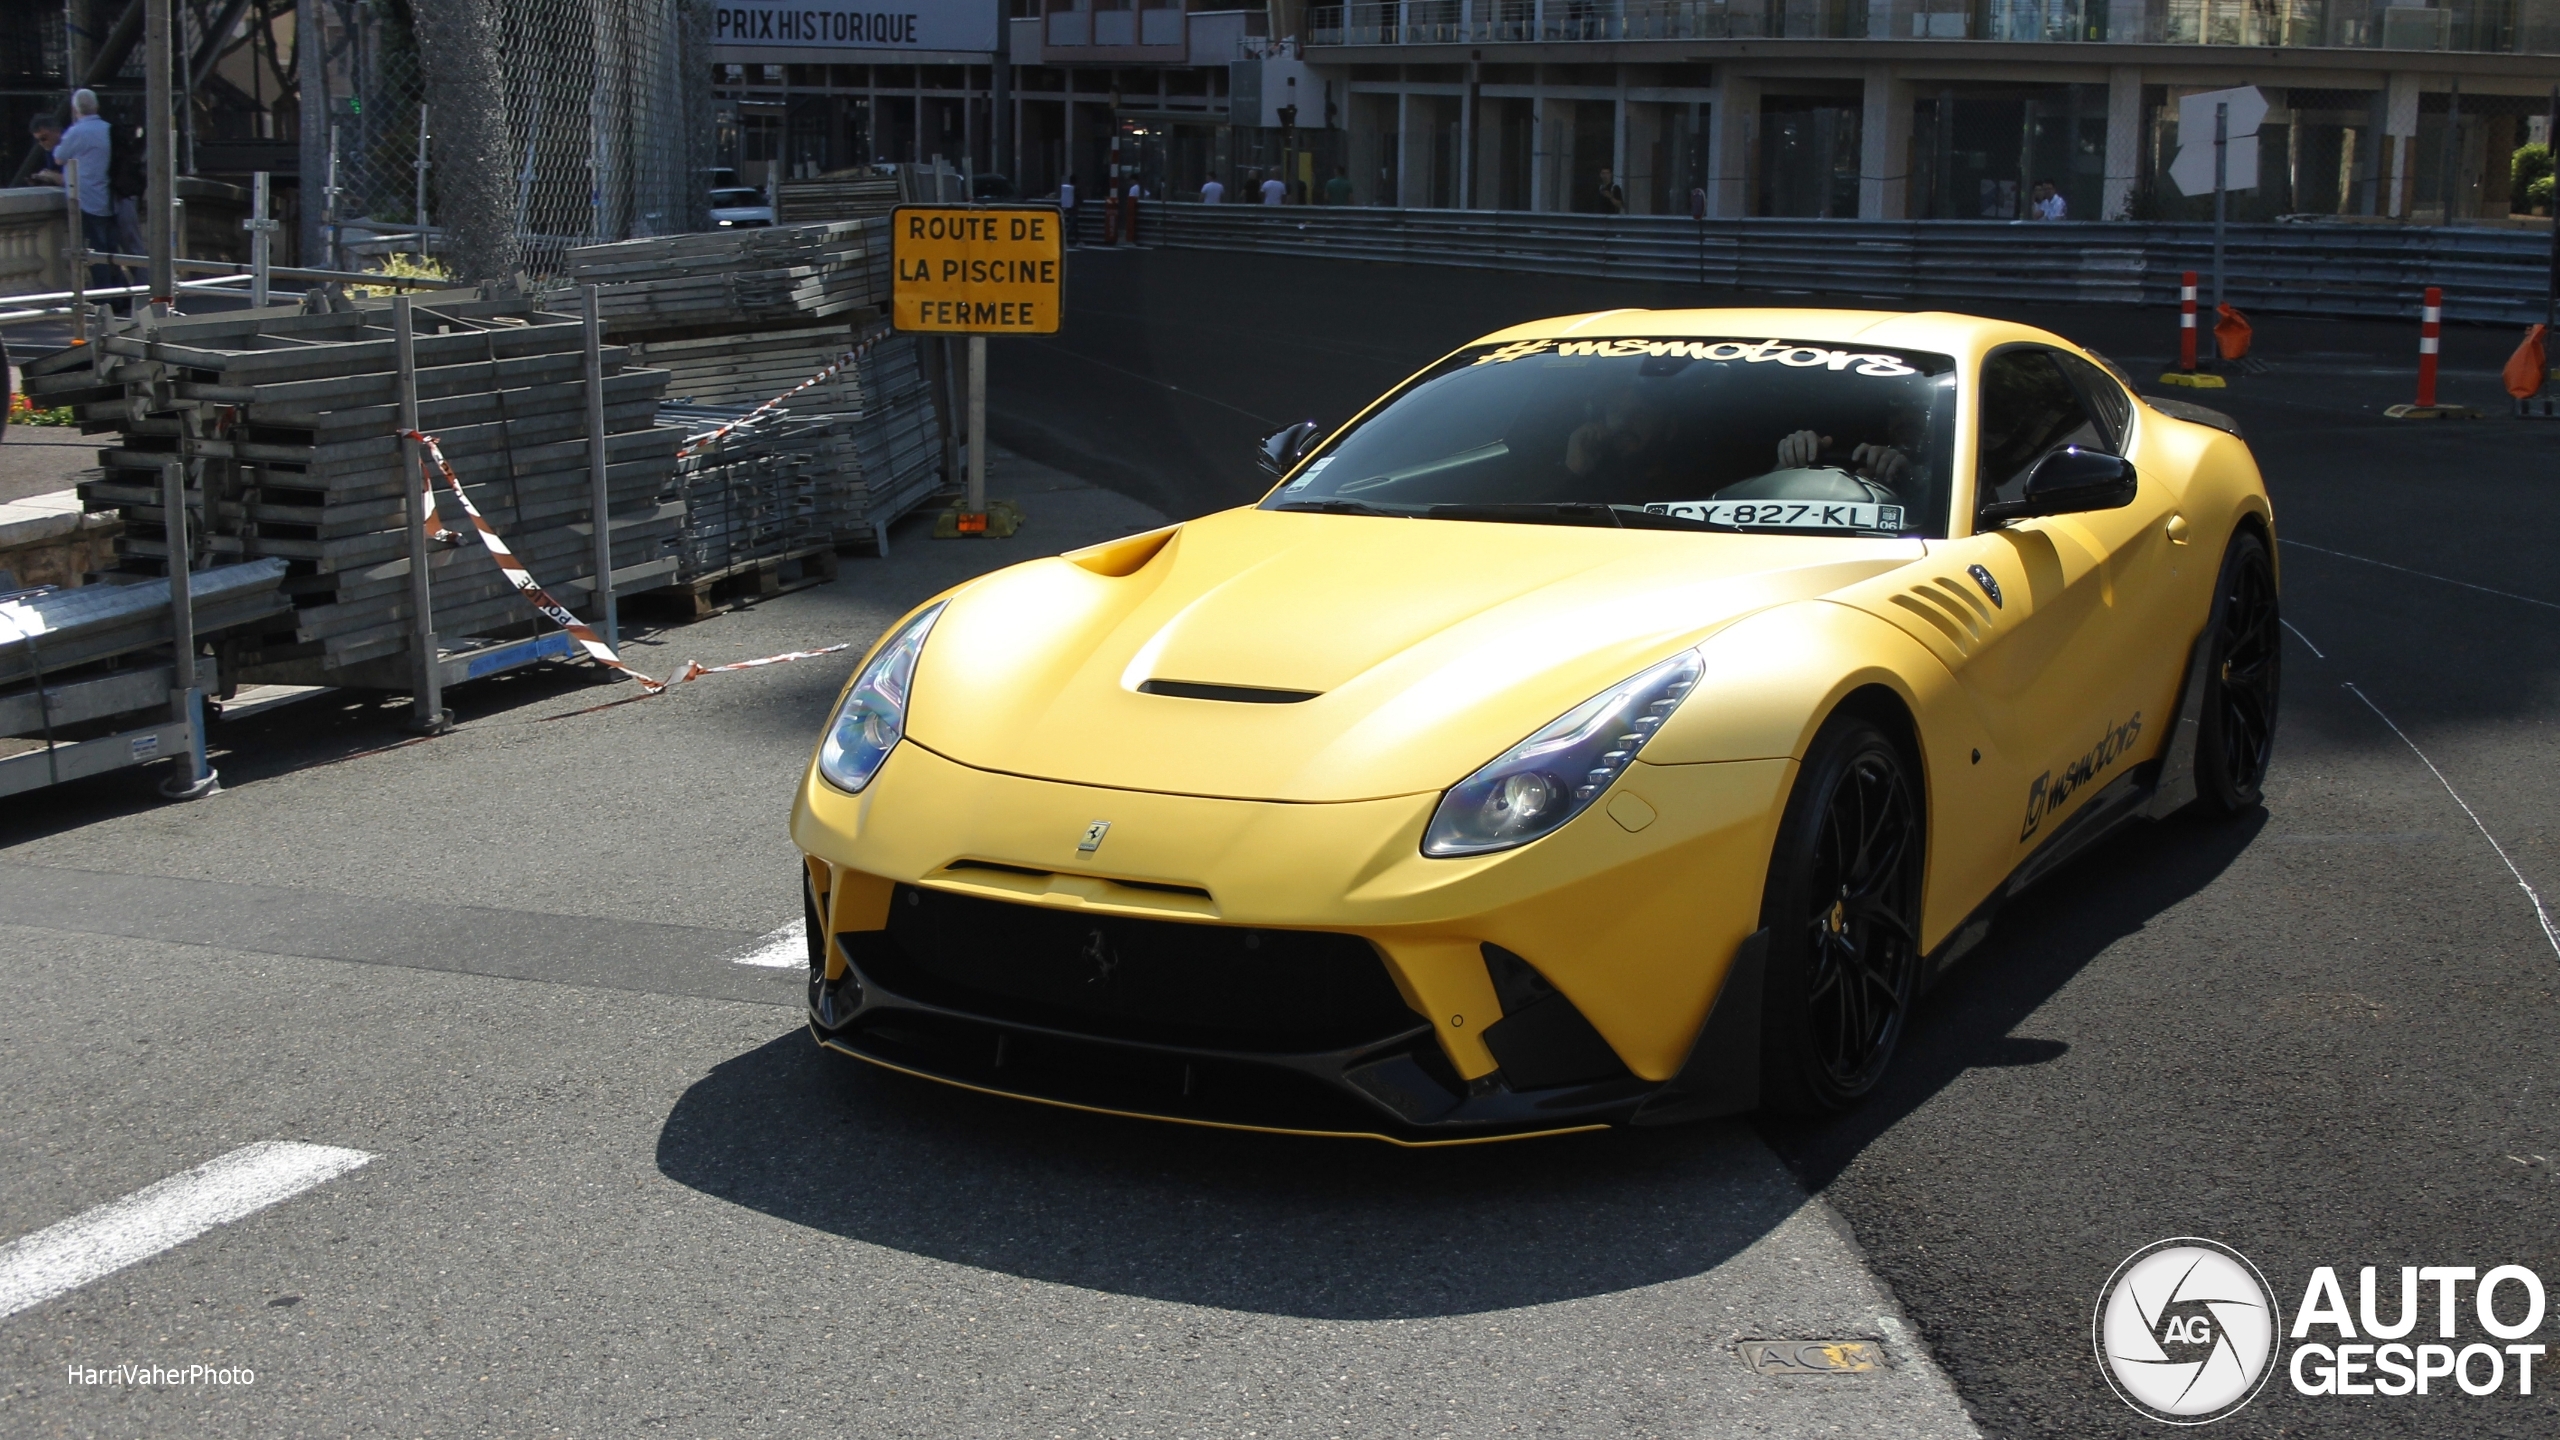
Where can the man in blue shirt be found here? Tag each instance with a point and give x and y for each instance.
(91, 144)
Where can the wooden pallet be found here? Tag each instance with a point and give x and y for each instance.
(745, 583)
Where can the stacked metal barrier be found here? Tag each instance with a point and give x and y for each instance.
(750, 367)
(287, 422)
(757, 494)
(736, 318)
(843, 195)
(858, 449)
(737, 278)
(899, 444)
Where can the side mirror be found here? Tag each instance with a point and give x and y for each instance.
(2067, 482)
(1285, 448)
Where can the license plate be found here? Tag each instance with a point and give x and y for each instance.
(1786, 514)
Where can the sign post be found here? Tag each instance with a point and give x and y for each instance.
(2218, 166)
(977, 270)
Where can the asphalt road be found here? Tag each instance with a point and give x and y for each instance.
(615, 1191)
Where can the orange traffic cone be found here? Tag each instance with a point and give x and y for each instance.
(2527, 367)
(2231, 333)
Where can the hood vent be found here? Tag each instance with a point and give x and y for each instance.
(1233, 694)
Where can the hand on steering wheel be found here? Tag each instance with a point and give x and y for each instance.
(1883, 464)
(1802, 450)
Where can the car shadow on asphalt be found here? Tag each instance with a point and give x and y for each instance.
(1339, 1229)
(2039, 942)
(1281, 1225)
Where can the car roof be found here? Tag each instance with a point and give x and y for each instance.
(1942, 331)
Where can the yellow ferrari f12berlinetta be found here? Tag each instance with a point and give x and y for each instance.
(1619, 722)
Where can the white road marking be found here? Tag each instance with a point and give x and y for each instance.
(2305, 639)
(2421, 574)
(157, 1217)
(783, 949)
(2548, 933)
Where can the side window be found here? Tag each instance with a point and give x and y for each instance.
(2105, 395)
(2029, 410)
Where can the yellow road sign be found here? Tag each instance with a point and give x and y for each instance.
(977, 269)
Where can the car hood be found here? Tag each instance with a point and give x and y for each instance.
(1428, 646)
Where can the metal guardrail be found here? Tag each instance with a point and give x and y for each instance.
(2489, 30)
(2372, 271)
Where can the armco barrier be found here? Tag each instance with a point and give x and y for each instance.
(2311, 269)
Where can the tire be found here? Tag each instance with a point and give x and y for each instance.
(1842, 907)
(2243, 676)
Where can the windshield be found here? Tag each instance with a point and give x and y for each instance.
(725, 199)
(1715, 434)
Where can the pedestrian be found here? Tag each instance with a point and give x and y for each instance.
(1613, 200)
(2045, 202)
(1275, 191)
(90, 145)
(47, 130)
(1212, 193)
(1337, 191)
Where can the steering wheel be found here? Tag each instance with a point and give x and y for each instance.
(1826, 482)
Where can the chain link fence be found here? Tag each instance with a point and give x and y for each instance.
(376, 91)
(550, 124)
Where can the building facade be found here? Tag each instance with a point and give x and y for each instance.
(1871, 108)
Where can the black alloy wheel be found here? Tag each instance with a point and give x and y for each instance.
(1843, 913)
(2243, 676)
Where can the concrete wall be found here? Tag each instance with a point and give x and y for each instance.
(32, 239)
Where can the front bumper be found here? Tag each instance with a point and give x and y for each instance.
(1278, 967)
(1294, 1031)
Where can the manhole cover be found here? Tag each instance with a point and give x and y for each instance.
(1812, 1357)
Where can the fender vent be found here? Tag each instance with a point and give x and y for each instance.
(1234, 694)
(1959, 616)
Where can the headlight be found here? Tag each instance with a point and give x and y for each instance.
(1555, 774)
(874, 714)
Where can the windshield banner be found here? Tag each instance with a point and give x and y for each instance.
(1784, 352)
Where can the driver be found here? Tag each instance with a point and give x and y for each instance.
(1629, 442)
(1888, 464)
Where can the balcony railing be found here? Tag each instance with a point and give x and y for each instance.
(2492, 26)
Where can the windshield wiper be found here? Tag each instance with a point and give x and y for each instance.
(1531, 512)
(1331, 506)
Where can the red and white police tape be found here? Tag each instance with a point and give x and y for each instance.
(695, 444)
(559, 614)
